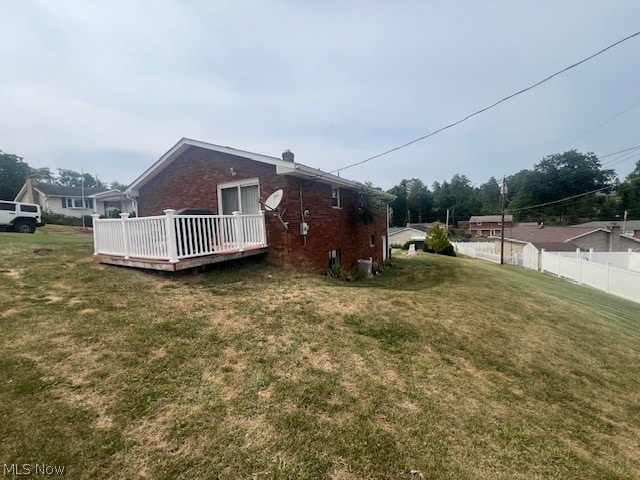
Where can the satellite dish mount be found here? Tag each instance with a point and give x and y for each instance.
(272, 204)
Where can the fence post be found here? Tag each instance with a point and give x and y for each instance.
(559, 265)
(578, 253)
(629, 258)
(580, 271)
(263, 229)
(542, 259)
(125, 234)
(591, 254)
(239, 230)
(172, 242)
(95, 217)
(608, 276)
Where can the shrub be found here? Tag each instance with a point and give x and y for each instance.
(347, 275)
(59, 219)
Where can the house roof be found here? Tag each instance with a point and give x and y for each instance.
(396, 230)
(283, 167)
(51, 190)
(490, 218)
(629, 224)
(423, 227)
(556, 246)
(540, 234)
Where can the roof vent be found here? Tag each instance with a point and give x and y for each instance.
(287, 155)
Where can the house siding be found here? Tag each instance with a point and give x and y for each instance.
(191, 180)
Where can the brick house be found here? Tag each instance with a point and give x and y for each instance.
(488, 225)
(318, 224)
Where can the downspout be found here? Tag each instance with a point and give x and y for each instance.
(387, 253)
(302, 215)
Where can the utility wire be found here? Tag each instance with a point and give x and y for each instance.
(597, 127)
(531, 207)
(520, 92)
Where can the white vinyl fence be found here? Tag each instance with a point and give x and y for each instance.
(617, 273)
(174, 237)
(617, 281)
(485, 251)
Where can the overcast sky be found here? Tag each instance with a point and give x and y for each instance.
(109, 87)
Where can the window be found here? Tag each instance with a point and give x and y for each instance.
(335, 197)
(372, 241)
(334, 258)
(243, 197)
(478, 232)
(8, 206)
(479, 223)
(28, 208)
(76, 202)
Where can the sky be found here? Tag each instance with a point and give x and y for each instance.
(109, 87)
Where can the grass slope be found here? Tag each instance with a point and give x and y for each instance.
(450, 367)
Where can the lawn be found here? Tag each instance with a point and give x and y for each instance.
(440, 368)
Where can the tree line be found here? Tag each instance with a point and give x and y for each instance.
(565, 188)
(14, 172)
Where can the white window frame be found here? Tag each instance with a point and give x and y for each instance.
(336, 197)
(75, 203)
(249, 182)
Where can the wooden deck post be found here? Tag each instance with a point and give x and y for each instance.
(125, 234)
(172, 242)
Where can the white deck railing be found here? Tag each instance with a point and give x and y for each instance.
(174, 237)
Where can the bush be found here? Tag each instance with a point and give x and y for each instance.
(59, 219)
(347, 275)
(448, 250)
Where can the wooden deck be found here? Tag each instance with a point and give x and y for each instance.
(178, 242)
(185, 264)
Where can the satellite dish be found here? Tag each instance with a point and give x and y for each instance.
(274, 200)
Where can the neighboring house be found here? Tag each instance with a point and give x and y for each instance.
(631, 228)
(74, 201)
(398, 236)
(557, 239)
(488, 225)
(318, 225)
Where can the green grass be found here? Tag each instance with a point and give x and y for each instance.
(455, 368)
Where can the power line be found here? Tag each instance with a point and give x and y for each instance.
(531, 207)
(597, 127)
(520, 92)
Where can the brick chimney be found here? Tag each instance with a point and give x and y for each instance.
(287, 155)
(31, 194)
(614, 239)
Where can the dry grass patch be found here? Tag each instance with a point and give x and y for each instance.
(450, 367)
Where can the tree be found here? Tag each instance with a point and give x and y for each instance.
(489, 197)
(629, 191)
(438, 238)
(71, 178)
(117, 186)
(44, 175)
(370, 207)
(13, 173)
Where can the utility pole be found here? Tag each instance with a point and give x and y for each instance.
(503, 191)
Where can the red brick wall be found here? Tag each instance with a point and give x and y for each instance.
(191, 181)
